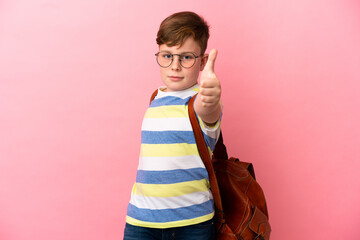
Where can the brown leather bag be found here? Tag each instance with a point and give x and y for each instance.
(240, 206)
(240, 211)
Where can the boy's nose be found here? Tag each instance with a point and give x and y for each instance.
(175, 65)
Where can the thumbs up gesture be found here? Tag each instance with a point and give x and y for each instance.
(207, 104)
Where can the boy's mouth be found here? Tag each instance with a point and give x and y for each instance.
(175, 78)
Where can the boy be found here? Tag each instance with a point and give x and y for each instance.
(171, 198)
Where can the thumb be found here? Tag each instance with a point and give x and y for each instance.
(211, 60)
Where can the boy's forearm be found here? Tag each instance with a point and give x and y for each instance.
(208, 114)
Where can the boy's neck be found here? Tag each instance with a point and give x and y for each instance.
(164, 89)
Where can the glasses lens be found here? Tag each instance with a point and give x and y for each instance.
(187, 60)
(164, 59)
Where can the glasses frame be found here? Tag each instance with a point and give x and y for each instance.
(172, 58)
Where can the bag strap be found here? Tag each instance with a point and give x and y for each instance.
(205, 156)
(153, 95)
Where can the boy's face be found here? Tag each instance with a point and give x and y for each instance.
(177, 78)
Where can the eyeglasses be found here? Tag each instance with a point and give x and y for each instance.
(165, 59)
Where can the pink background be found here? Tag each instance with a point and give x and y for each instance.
(76, 76)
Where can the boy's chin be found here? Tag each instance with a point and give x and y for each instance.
(170, 88)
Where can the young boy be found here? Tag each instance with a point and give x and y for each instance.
(171, 198)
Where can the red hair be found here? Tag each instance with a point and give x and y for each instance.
(176, 28)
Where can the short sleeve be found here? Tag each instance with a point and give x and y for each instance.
(211, 133)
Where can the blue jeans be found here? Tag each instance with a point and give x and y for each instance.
(201, 231)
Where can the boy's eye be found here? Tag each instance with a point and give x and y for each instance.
(167, 55)
(187, 57)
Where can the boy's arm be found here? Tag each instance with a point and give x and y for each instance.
(207, 104)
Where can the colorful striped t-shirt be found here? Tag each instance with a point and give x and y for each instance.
(172, 184)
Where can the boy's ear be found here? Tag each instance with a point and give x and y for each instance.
(204, 60)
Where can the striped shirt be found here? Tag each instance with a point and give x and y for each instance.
(172, 184)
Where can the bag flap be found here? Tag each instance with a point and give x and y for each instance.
(259, 224)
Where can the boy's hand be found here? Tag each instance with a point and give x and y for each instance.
(207, 104)
(210, 89)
